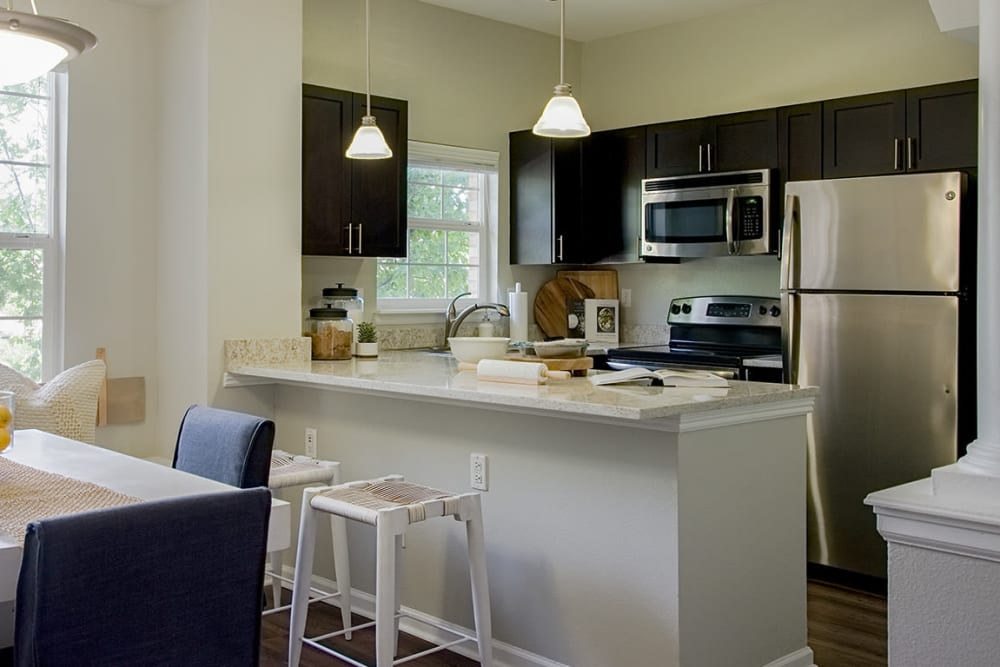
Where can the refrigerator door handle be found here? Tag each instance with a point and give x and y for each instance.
(789, 237)
(732, 240)
(789, 337)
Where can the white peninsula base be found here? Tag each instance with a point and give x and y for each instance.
(670, 540)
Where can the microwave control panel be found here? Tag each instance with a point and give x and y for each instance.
(751, 218)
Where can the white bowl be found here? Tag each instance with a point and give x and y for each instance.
(471, 349)
(565, 348)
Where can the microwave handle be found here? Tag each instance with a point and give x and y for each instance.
(732, 241)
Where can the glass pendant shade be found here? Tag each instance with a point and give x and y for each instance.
(31, 45)
(562, 116)
(368, 142)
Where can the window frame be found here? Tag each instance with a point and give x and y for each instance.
(445, 157)
(50, 242)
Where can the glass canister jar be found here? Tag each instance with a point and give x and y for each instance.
(348, 299)
(332, 333)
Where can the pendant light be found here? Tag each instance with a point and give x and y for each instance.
(32, 44)
(562, 116)
(368, 142)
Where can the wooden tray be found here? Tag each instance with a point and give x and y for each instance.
(576, 365)
(550, 304)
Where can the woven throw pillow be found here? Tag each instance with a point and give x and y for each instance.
(66, 405)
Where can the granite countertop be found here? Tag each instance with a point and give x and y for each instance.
(435, 377)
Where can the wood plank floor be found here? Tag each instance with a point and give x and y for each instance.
(847, 628)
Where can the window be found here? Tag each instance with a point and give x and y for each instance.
(29, 248)
(451, 205)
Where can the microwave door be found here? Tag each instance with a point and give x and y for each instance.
(685, 224)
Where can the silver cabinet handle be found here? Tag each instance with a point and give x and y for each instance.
(708, 153)
(350, 239)
(360, 251)
(909, 152)
(560, 255)
(699, 159)
(895, 154)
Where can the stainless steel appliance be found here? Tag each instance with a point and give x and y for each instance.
(877, 313)
(708, 215)
(737, 337)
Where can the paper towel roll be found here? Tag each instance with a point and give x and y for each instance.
(517, 301)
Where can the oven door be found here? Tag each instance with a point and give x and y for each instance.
(622, 364)
(712, 222)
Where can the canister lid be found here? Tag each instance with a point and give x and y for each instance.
(340, 290)
(327, 313)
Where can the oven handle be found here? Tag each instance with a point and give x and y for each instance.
(724, 373)
(732, 243)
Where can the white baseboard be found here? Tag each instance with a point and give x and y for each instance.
(504, 655)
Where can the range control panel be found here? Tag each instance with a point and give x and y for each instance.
(755, 311)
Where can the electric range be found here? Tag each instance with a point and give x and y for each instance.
(738, 337)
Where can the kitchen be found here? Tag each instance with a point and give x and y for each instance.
(472, 100)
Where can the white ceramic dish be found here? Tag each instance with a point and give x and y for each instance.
(566, 348)
(471, 349)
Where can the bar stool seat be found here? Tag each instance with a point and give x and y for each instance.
(296, 470)
(391, 505)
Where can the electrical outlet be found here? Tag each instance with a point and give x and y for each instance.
(626, 298)
(311, 442)
(479, 472)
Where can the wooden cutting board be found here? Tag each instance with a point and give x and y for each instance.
(576, 365)
(550, 304)
(604, 283)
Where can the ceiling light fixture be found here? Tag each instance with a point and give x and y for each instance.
(368, 142)
(562, 116)
(32, 44)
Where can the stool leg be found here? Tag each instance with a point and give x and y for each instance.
(390, 524)
(303, 578)
(396, 596)
(342, 565)
(276, 567)
(480, 586)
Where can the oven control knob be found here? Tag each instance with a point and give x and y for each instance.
(763, 310)
(775, 311)
(674, 308)
(686, 308)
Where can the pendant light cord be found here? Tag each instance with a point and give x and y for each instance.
(368, 63)
(562, 40)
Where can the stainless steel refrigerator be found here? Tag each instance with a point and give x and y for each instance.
(875, 288)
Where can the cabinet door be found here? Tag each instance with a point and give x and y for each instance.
(864, 136)
(326, 174)
(545, 190)
(746, 140)
(378, 187)
(942, 127)
(800, 142)
(614, 162)
(676, 149)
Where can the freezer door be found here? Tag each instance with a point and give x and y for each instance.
(885, 233)
(886, 368)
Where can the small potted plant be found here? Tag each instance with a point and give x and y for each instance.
(367, 340)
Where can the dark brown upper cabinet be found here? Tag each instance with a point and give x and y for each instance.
(921, 129)
(732, 142)
(351, 207)
(546, 191)
(800, 142)
(614, 162)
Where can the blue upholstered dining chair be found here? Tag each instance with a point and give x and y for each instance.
(230, 447)
(158, 583)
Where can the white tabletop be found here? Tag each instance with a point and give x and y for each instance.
(118, 472)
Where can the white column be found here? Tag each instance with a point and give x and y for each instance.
(983, 455)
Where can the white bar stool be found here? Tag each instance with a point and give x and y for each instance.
(294, 470)
(391, 505)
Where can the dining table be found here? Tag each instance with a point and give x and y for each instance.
(118, 476)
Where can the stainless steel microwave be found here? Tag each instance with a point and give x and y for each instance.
(708, 215)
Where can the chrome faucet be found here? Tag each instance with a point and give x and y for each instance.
(453, 321)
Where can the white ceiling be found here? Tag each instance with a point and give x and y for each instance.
(592, 19)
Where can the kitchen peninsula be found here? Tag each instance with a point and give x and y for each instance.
(625, 524)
